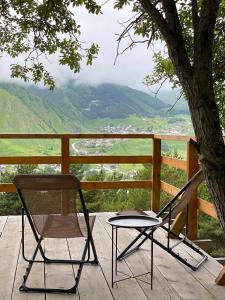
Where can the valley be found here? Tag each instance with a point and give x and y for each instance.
(107, 108)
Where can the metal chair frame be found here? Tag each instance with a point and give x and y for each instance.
(88, 243)
(170, 249)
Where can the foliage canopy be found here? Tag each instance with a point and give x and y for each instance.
(144, 27)
(41, 28)
(35, 29)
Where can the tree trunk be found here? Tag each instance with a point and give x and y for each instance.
(205, 119)
(197, 83)
(208, 132)
(196, 79)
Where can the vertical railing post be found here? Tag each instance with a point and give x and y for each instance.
(65, 168)
(65, 153)
(156, 167)
(192, 168)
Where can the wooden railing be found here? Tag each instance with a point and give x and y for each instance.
(190, 166)
(65, 159)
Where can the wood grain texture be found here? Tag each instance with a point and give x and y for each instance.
(65, 153)
(75, 135)
(156, 168)
(138, 159)
(140, 184)
(173, 162)
(172, 280)
(27, 160)
(207, 208)
(192, 169)
(220, 280)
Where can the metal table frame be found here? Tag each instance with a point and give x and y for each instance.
(114, 257)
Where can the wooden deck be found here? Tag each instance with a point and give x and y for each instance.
(171, 280)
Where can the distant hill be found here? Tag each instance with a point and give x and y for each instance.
(172, 98)
(36, 110)
(112, 101)
(103, 101)
(32, 109)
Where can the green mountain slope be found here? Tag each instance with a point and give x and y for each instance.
(69, 107)
(53, 109)
(16, 116)
(112, 101)
(78, 108)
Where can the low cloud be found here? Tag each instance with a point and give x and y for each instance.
(130, 68)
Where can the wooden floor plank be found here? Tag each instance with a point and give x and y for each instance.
(212, 266)
(128, 289)
(176, 275)
(58, 275)
(172, 280)
(203, 275)
(9, 251)
(140, 263)
(92, 282)
(36, 277)
(3, 220)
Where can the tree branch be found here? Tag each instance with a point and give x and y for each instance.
(163, 80)
(171, 31)
(173, 105)
(157, 17)
(126, 34)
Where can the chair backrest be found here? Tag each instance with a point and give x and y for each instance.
(184, 197)
(49, 195)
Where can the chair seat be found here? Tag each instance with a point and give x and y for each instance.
(50, 204)
(69, 226)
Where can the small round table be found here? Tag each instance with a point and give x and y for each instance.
(134, 222)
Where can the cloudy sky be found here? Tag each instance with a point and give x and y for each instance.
(130, 68)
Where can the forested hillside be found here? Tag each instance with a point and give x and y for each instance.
(32, 109)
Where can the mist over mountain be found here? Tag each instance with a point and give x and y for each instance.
(34, 109)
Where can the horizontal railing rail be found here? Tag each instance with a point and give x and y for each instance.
(76, 135)
(65, 159)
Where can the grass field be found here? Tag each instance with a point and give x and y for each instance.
(156, 124)
(25, 147)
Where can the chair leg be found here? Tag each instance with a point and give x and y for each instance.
(95, 260)
(90, 242)
(81, 262)
(38, 240)
(23, 287)
(128, 250)
(176, 255)
(181, 259)
(61, 261)
(73, 289)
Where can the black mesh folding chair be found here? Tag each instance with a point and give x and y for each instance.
(50, 204)
(169, 212)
